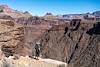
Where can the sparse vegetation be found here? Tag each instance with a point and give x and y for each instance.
(1, 10)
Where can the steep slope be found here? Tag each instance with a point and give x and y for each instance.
(76, 43)
(11, 37)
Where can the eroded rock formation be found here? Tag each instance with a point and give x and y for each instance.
(11, 38)
(76, 43)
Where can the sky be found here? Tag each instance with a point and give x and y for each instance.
(57, 7)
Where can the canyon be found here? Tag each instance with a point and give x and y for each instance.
(75, 42)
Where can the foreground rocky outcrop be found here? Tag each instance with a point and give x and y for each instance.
(28, 62)
(76, 43)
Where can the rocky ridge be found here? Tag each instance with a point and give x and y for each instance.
(28, 62)
(11, 37)
(76, 43)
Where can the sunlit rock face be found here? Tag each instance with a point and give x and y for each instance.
(76, 43)
(29, 62)
(11, 37)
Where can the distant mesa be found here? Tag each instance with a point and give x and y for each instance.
(96, 13)
(50, 16)
(26, 12)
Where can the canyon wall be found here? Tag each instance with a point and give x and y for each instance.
(76, 43)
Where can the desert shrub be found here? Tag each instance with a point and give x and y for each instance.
(1, 10)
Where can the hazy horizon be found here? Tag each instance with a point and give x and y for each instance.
(57, 7)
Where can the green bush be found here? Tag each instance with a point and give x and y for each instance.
(1, 10)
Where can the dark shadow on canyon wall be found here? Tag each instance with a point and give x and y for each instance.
(95, 30)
